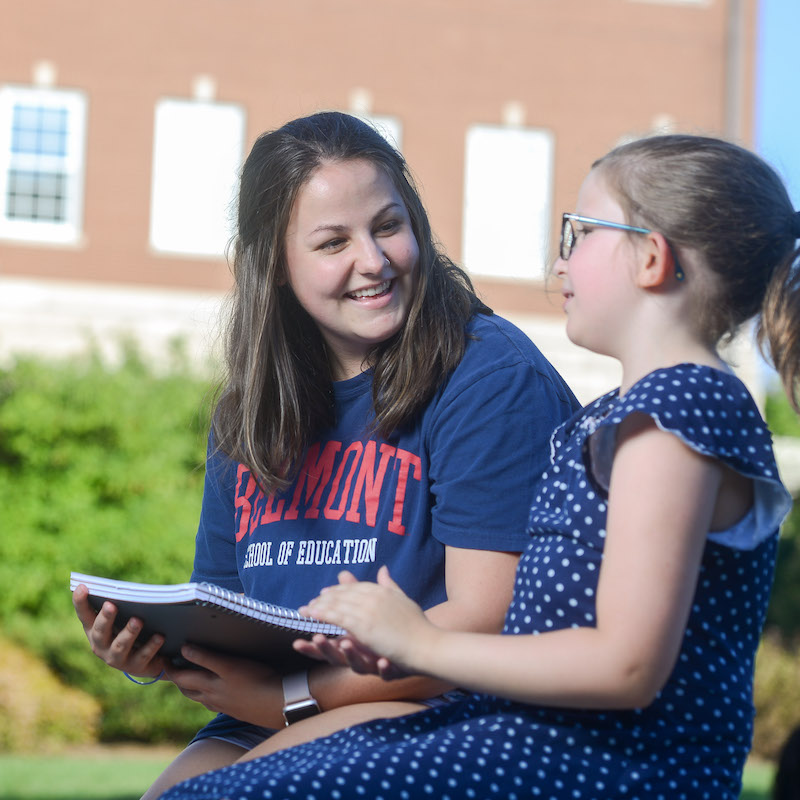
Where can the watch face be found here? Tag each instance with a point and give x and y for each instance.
(300, 710)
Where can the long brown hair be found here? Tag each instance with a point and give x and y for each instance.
(728, 206)
(277, 394)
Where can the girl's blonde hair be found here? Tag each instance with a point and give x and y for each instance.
(730, 208)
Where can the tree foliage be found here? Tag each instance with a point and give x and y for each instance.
(101, 471)
(784, 609)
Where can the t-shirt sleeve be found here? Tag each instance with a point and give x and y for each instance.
(215, 546)
(489, 445)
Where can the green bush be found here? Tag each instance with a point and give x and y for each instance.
(776, 694)
(784, 609)
(37, 712)
(101, 471)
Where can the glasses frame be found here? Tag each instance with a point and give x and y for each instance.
(565, 249)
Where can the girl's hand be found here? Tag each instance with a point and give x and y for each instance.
(386, 628)
(347, 651)
(120, 650)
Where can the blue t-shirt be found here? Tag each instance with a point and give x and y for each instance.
(463, 475)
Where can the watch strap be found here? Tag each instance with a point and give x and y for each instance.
(298, 702)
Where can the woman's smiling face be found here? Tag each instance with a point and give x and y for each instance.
(351, 259)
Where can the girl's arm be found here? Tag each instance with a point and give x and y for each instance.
(479, 585)
(661, 501)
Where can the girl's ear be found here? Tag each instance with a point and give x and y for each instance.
(657, 265)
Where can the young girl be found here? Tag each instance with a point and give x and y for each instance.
(367, 416)
(626, 665)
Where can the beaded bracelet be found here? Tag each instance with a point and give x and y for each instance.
(145, 683)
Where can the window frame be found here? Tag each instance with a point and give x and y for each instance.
(71, 164)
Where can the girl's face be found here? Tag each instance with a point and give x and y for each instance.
(351, 259)
(598, 284)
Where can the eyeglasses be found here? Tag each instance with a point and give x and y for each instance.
(569, 236)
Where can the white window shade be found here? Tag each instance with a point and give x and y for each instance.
(507, 201)
(197, 156)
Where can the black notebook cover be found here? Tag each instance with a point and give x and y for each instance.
(209, 616)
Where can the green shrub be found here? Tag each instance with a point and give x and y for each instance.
(784, 609)
(37, 711)
(777, 691)
(101, 471)
(777, 694)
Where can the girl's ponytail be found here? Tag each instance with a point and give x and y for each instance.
(779, 323)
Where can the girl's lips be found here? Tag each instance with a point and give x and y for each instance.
(371, 291)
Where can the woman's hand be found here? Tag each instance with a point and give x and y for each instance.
(385, 627)
(119, 650)
(244, 689)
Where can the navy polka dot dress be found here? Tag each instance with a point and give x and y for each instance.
(691, 742)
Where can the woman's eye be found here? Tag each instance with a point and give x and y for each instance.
(332, 244)
(389, 226)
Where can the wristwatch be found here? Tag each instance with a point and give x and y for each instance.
(297, 700)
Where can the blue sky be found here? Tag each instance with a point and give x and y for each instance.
(777, 100)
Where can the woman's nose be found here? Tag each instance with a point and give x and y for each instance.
(371, 258)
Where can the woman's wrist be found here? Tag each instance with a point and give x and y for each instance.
(298, 702)
(272, 702)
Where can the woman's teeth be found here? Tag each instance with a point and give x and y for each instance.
(372, 291)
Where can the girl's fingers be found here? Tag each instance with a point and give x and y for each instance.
(385, 579)
(358, 660)
(388, 671)
(331, 651)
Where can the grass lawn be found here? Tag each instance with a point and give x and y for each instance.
(123, 773)
(103, 773)
(757, 782)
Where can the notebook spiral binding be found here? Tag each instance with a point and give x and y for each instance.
(269, 613)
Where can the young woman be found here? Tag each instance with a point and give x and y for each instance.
(626, 665)
(369, 417)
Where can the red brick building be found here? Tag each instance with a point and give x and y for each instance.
(122, 125)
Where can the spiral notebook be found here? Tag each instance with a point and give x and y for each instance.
(209, 616)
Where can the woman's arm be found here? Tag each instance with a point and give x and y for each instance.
(661, 500)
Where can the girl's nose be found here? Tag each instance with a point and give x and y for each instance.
(560, 267)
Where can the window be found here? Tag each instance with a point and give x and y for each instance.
(197, 156)
(42, 146)
(507, 201)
